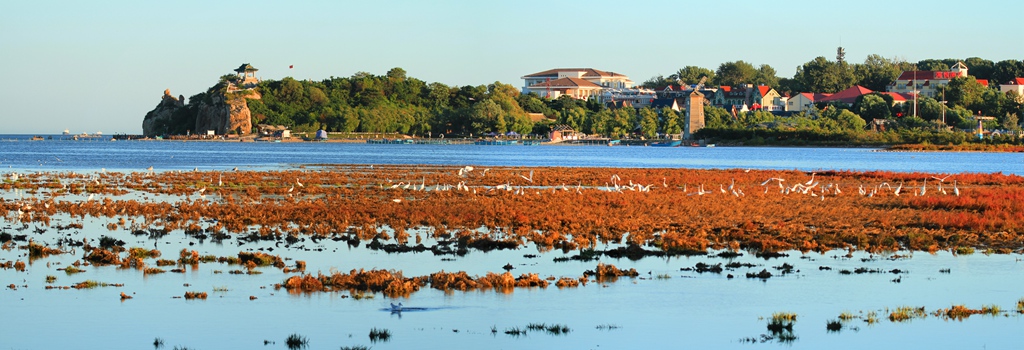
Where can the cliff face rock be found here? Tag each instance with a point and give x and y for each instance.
(157, 119)
(226, 113)
(222, 112)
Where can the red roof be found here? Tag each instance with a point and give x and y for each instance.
(898, 97)
(928, 75)
(725, 88)
(567, 83)
(847, 96)
(587, 72)
(764, 89)
(983, 82)
(814, 97)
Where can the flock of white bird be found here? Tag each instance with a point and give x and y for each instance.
(810, 187)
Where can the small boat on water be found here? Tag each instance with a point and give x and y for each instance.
(670, 143)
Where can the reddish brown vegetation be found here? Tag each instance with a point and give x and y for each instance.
(358, 202)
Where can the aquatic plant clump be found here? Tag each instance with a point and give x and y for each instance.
(296, 341)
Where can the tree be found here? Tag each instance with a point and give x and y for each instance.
(487, 116)
(396, 74)
(691, 75)
(877, 72)
(980, 68)
(872, 106)
(735, 73)
(964, 91)
(1006, 70)
(670, 123)
(648, 122)
(1010, 122)
(765, 76)
(658, 82)
(936, 65)
(824, 76)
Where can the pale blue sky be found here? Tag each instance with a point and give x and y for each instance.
(101, 65)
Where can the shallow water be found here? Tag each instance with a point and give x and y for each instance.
(684, 310)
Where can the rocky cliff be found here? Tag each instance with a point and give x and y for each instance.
(217, 110)
(158, 120)
(224, 113)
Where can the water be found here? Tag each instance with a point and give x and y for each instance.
(171, 155)
(685, 310)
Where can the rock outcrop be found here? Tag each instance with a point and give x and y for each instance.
(226, 113)
(156, 121)
(222, 112)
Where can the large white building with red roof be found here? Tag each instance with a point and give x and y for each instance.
(581, 83)
(1017, 84)
(926, 82)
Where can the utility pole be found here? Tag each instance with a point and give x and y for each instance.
(943, 105)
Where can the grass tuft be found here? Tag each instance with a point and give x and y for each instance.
(382, 335)
(296, 341)
(833, 325)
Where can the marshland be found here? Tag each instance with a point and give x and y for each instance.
(485, 245)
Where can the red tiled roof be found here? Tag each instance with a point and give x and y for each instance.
(587, 72)
(567, 83)
(814, 97)
(983, 82)
(847, 96)
(764, 89)
(898, 97)
(725, 88)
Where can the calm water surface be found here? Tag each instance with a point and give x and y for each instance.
(685, 310)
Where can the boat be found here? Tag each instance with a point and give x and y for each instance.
(496, 142)
(670, 143)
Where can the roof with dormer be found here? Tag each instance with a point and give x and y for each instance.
(587, 73)
(567, 83)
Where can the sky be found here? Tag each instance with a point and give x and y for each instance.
(90, 66)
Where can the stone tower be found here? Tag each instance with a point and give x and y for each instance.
(694, 115)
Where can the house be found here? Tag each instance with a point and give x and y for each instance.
(574, 87)
(539, 82)
(1016, 84)
(926, 82)
(563, 132)
(847, 97)
(638, 98)
(766, 98)
(728, 96)
(803, 102)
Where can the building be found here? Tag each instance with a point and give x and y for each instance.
(1016, 84)
(693, 121)
(846, 97)
(766, 98)
(804, 101)
(574, 87)
(926, 82)
(246, 74)
(563, 132)
(582, 82)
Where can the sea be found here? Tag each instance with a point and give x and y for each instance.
(666, 307)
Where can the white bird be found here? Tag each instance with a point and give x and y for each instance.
(396, 308)
(220, 180)
(941, 179)
(530, 179)
(290, 189)
(924, 188)
(299, 183)
(861, 190)
(811, 180)
(898, 188)
(956, 190)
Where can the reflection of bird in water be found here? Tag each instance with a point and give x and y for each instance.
(396, 308)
